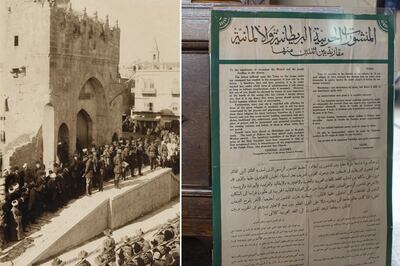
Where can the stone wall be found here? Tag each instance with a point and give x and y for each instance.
(27, 92)
(28, 153)
(59, 51)
(142, 199)
(85, 50)
(157, 189)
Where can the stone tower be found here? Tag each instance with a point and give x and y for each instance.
(59, 72)
(155, 53)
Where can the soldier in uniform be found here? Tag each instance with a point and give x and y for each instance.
(102, 172)
(132, 157)
(16, 213)
(140, 157)
(95, 166)
(125, 254)
(124, 156)
(108, 249)
(88, 174)
(151, 152)
(82, 259)
(117, 168)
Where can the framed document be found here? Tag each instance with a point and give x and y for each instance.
(302, 122)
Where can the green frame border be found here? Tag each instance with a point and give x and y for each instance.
(215, 127)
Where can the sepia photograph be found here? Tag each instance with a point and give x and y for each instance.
(90, 132)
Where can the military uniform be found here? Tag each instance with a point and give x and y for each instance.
(117, 168)
(89, 172)
(101, 173)
(152, 156)
(125, 255)
(139, 158)
(108, 250)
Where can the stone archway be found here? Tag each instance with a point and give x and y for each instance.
(92, 117)
(83, 130)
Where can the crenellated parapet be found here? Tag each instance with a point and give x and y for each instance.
(79, 33)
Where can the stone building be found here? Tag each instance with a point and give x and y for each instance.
(59, 80)
(157, 94)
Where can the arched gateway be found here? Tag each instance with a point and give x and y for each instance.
(83, 130)
(91, 122)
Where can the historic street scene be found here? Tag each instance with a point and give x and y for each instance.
(89, 132)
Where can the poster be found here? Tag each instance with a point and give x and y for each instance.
(302, 118)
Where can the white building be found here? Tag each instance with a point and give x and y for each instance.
(157, 94)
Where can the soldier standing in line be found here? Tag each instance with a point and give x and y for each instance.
(124, 156)
(88, 174)
(95, 166)
(132, 157)
(151, 152)
(117, 168)
(102, 172)
(125, 254)
(16, 213)
(108, 249)
(140, 157)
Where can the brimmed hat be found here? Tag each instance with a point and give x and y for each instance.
(83, 254)
(146, 245)
(156, 255)
(84, 150)
(14, 203)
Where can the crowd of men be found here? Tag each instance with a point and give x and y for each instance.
(30, 191)
(128, 125)
(160, 250)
